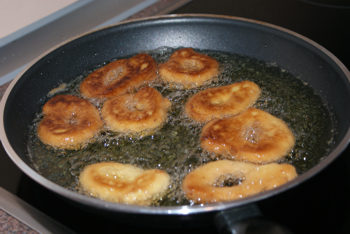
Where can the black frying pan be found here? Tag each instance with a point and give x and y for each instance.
(295, 53)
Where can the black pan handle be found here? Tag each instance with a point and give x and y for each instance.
(247, 220)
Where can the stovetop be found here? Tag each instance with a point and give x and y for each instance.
(319, 205)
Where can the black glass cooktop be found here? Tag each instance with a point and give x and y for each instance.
(320, 205)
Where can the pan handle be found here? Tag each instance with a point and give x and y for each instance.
(246, 220)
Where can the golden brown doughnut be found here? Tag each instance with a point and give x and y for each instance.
(227, 180)
(254, 135)
(188, 69)
(123, 183)
(69, 122)
(136, 113)
(224, 101)
(119, 77)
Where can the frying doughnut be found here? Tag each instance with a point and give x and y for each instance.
(69, 122)
(123, 183)
(119, 77)
(188, 69)
(226, 180)
(254, 135)
(222, 101)
(136, 113)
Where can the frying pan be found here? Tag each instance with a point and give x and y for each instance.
(291, 51)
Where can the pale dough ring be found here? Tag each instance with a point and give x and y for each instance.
(136, 113)
(123, 183)
(223, 101)
(119, 77)
(69, 122)
(226, 180)
(187, 69)
(254, 136)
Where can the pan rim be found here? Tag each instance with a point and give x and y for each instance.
(171, 210)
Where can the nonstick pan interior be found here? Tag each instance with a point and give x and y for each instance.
(298, 55)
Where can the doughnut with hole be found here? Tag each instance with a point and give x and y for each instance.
(69, 122)
(139, 113)
(187, 69)
(223, 101)
(119, 77)
(123, 183)
(227, 180)
(254, 135)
